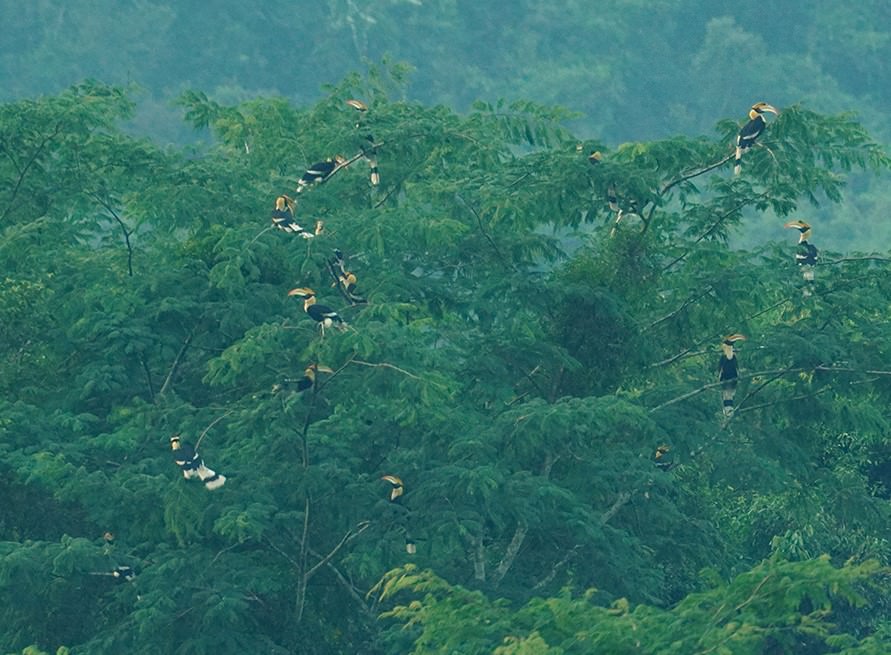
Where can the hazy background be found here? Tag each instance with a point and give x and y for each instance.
(630, 69)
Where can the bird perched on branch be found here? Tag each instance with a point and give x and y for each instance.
(309, 376)
(751, 130)
(344, 279)
(369, 150)
(396, 491)
(192, 466)
(320, 172)
(728, 371)
(324, 316)
(283, 218)
(806, 257)
(662, 458)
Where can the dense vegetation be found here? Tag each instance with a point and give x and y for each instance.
(520, 358)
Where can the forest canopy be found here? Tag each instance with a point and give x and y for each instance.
(511, 438)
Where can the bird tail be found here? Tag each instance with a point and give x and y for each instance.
(375, 175)
(612, 199)
(737, 162)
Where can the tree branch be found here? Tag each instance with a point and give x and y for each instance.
(348, 537)
(176, 361)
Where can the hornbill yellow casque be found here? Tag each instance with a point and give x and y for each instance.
(324, 316)
(807, 253)
(662, 458)
(319, 172)
(192, 466)
(728, 371)
(309, 376)
(369, 151)
(396, 491)
(344, 279)
(751, 130)
(283, 218)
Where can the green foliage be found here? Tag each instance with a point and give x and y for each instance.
(521, 355)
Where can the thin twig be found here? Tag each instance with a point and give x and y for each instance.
(212, 423)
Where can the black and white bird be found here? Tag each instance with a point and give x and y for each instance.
(320, 172)
(321, 314)
(190, 463)
(751, 131)
(369, 148)
(728, 371)
(806, 257)
(283, 218)
(403, 518)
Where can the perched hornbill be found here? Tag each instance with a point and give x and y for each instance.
(319, 172)
(396, 491)
(345, 279)
(369, 151)
(728, 371)
(324, 316)
(751, 130)
(662, 458)
(283, 218)
(309, 376)
(185, 456)
(807, 253)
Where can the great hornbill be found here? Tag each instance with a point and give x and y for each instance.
(396, 491)
(324, 316)
(192, 466)
(751, 130)
(807, 253)
(344, 279)
(368, 151)
(309, 376)
(728, 371)
(283, 218)
(319, 172)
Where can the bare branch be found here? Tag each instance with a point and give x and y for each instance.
(348, 537)
(176, 362)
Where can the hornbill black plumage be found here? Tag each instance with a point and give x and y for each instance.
(662, 458)
(283, 218)
(369, 151)
(396, 491)
(807, 253)
(191, 464)
(344, 279)
(319, 172)
(309, 376)
(728, 371)
(751, 131)
(324, 316)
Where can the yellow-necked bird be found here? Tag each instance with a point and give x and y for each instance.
(368, 151)
(751, 130)
(397, 488)
(324, 316)
(283, 218)
(728, 371)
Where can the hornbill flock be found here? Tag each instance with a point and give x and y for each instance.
(284, 218)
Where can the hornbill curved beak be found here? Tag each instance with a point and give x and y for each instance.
(762, 107)
(302, 292)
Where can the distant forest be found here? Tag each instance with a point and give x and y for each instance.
(629, 70)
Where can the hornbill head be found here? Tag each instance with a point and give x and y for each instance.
(398, 488)
(358, 105)
(595, 157)
(175, 442)
(802, 227)
(729, 340)
(307, 294)
(760, 107)
(284, 202)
